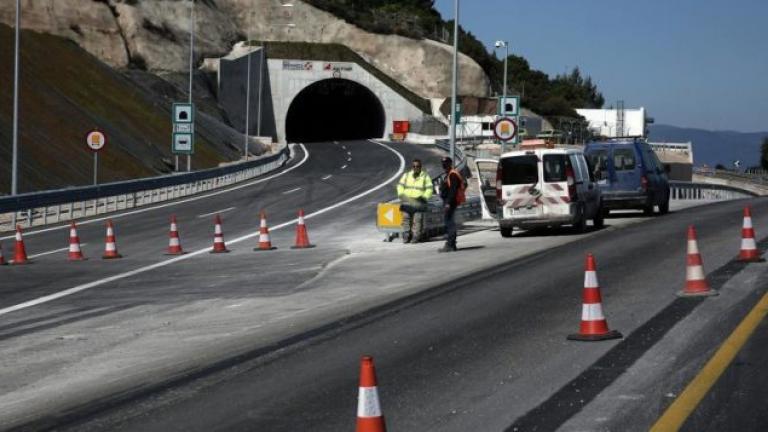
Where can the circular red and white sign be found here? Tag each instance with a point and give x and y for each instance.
(96, 140)
(505, 129)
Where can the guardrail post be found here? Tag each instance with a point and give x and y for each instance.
(45, 215)
(29, 217)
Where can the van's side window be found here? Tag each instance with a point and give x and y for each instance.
(623, 159)
(554, 168)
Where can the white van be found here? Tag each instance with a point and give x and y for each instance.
(544, 187)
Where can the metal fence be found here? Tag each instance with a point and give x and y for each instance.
(706, 191)
(42, 208)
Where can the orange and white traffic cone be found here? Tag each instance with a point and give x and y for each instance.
(594, 326)
(302, 237)
(749, 252)
(695, 281)
(174, 242)
(264, 242)
(369, 417)
(218, 237)
(110, 243)
(75, 253)
(19, 251)
(2, 257)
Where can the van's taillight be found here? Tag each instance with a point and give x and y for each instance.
(644, 183)
(571, 178)
(498, 183)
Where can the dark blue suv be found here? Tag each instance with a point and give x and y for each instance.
(629, 175)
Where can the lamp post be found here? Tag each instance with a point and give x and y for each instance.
(455, 83)
(247, 131)
(505, 45)
(15, 160)
(191, 63)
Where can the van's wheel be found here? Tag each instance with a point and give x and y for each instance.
(648, 208)
(599, 220)
(581, 222)
(506, 232)
(664, 206)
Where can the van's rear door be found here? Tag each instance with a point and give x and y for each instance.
(626, 175)
(521, 191)
(486, 177)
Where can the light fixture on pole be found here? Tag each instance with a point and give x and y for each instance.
(247, 130)
(455, 81)
(503, 111)
(15, 160)
(191, 63)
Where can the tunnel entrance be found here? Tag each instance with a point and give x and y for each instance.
(334, 109)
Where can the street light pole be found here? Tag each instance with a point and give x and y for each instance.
(15, 160)
(455, 83)
(505, 44)
(191, 65)
(247, 130)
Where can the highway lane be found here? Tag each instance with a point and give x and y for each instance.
(327, 177)
(478, 354)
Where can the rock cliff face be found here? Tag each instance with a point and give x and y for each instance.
(154, 34)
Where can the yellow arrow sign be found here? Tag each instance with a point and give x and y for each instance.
(388, 216)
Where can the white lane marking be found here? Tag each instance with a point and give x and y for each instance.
(146, 209)
(216, 212)
(83, 287)
(343, 167)
(53, 251)
(327, 177)
(291, 191)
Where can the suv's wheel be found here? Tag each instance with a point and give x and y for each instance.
(664, 205)
(506, 232)
(599, 220)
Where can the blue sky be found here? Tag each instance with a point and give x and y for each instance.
(691, 63)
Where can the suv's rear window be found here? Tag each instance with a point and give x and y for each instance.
(520, 170)
(554, 168)
(623, 159)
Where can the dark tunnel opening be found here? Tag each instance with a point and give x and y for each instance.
(334, 110)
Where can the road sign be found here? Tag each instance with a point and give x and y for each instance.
(388, 217)
(509, 106)
(96, 140)
(505, 129)
(183, 138)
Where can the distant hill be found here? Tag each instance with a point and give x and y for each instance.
(714, 147)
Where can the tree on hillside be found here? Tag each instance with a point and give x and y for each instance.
(764, 154)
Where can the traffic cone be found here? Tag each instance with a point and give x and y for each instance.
(218, 237)
(110, 244)
(302, 238)
(264, 242)
(174, 242)
(369, 417)
(75, 253)
(2, 258)
(695, 282)
(19, 251)
(749, 252)
(594, 327)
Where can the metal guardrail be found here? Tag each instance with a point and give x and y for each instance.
(706, 191)
(42, 208)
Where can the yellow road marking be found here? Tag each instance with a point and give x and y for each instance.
(677, 413)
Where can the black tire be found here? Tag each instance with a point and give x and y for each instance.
(599, 220)
(580, 225)
(664, 206)
(506, 232)
(648, 208)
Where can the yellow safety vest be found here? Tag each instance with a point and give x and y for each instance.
(418, 187)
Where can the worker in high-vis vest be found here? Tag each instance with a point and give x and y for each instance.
(414, 190)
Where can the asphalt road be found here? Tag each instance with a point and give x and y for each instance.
(487, 352)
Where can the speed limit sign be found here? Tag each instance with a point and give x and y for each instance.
(96, 140)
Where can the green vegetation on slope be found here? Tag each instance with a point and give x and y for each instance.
(551, 97)
(65, 92)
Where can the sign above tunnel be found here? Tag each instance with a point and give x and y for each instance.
(292, 65)
(340, 67)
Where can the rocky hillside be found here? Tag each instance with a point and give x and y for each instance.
(66, 91)
(153, 35)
